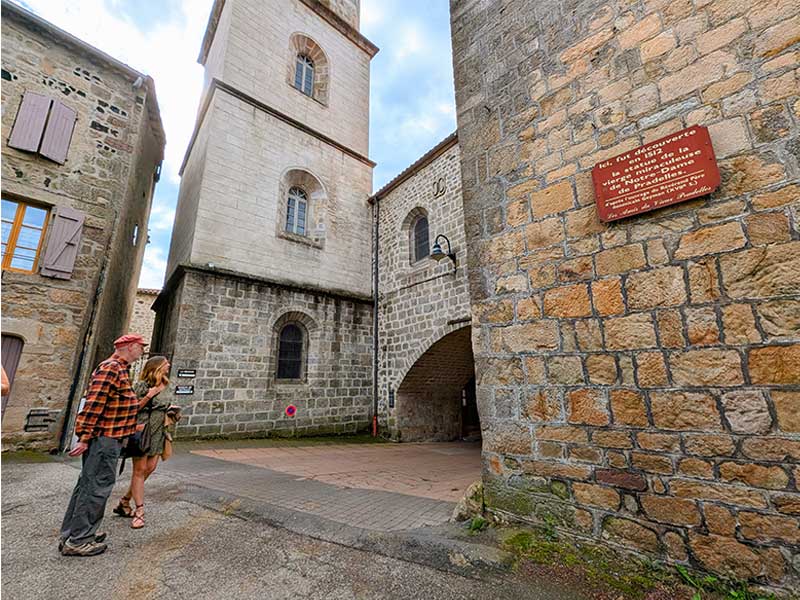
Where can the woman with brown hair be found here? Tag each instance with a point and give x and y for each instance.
(153, 380)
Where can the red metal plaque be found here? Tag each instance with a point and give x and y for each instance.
(675, 168)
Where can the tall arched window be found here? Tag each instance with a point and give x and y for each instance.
(304, 75)
(290, 352)
(296, 211)
(420, 239)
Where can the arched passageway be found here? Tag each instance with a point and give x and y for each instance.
(436, 399)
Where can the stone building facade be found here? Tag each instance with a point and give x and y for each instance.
(252, 276)
(423, 305)
(76, 190)
(143, 318)
(640, 379)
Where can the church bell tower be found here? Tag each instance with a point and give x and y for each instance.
(268, 289)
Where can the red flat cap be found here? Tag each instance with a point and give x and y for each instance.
(129, 338)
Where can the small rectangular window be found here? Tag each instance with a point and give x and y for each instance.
(24, 226)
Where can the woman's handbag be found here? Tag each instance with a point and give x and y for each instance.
(139, 441)
(173, 416)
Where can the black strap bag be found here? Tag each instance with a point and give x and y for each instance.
(138, 443)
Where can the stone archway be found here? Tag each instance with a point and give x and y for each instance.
(436, 399)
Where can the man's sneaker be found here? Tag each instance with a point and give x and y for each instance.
(99, 537)
(87, 549)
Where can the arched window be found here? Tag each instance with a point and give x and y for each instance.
(420, 239)
(296, 211)
(304, 75)
(290, 352)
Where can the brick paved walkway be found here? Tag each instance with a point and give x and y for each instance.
(381, 487)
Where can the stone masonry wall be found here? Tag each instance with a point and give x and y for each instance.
(651, 364)
(226, 327)
(143, 317)
(419, 303)
(105, 155)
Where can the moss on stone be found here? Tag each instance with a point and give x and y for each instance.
(633, 578)
(501, 497)
(560, 489)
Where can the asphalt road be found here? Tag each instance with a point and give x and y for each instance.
(188, 550)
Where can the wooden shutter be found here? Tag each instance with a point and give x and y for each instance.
(11, 351)
(62, 248)
(29, 124)
(58, 133)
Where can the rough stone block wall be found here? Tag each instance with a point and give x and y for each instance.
(651, 364)
(419, 303)
(226, 328)
(143, 316)
(108, 167)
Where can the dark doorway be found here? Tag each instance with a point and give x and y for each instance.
(470, 422)
(11, 351)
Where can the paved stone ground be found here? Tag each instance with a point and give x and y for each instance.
(199, 543)
(381, 487)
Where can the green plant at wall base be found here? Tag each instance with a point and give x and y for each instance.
(550, 527)
(713, 585)
(477, 524)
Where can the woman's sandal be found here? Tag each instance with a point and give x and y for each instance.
(124, 509)
(138, 517)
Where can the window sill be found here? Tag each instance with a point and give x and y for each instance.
(290, 383)
(419, 270)
(302, 239)
(304, 95)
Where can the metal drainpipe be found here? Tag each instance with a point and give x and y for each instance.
(66, 430)
(376, 210)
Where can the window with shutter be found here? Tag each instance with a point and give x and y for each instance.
(62, 248)
(26, 134)
(58, 133)
(44, 126)
(24, 227)
(290, 352)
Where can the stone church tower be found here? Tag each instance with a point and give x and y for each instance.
(267, 302)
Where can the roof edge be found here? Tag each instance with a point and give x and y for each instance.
(350, 32)
(422, 162)
(64, 36)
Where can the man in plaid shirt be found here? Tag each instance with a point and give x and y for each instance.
(107, 418)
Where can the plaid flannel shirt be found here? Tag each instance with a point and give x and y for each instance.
(111, 404)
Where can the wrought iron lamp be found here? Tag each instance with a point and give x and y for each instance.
(438, 254)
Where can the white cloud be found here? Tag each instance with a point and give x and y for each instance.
(371, 15)
(410, 41)
(153, 267)
(161, 217)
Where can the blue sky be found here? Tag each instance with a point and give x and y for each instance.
(412, 104)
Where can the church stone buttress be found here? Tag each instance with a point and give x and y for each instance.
(268, 293)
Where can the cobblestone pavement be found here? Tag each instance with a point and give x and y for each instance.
(381, 487)
(199, 544)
